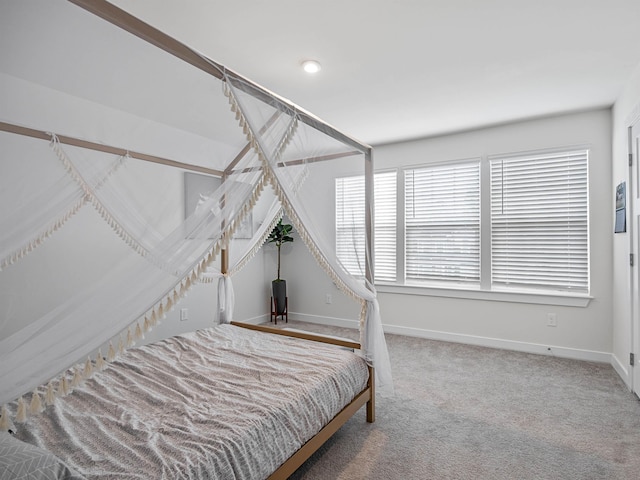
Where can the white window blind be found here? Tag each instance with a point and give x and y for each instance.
(386, 229)
(442, 223)
(350, 224)
(539, 221)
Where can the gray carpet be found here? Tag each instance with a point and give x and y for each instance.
(465, 412)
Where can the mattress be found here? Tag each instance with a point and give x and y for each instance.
(224, 402)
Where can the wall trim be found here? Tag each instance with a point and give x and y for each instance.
(525, 347)
(304, 317)
(529, 297)
(321, 319)
(257, 320)
(622, 370)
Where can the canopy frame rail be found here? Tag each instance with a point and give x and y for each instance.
(247, 147)
(302, 161)
(137, 27)
(76, 142)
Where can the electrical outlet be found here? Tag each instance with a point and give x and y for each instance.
(552, 320)
(184, 314)
(328, 298)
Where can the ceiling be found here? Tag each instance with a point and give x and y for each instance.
(400, 69)
(392, 69)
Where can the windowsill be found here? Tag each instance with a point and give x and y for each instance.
(471, 293)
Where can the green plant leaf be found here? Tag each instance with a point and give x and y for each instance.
(280, 235)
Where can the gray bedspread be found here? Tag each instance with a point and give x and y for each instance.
(220, 403)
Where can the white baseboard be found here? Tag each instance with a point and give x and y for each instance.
(622, 370)
(556, 351)
(256, 320)
(563, 352)
(303, 317)
(333, 321)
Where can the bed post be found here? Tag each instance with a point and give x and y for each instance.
(371, 404)
(369, 265)
(224, 252)
(224, 261)
(369, 214)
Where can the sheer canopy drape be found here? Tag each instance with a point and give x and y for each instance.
(118, 231)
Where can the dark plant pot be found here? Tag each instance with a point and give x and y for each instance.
(279, 289)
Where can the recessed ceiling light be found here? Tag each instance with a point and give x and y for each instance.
(311, 66)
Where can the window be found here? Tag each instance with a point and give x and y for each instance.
(385, 226)
(442, 223)
(539, 221)
(350, 224)
(510, 223)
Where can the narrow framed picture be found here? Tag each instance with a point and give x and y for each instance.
(621, 208)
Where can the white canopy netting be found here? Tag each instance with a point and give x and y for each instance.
(114, 227)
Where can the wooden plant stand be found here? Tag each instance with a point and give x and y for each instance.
(274, 310)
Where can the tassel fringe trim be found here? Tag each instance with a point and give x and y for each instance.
(252, 253)
(75, 377)
(64, 218)
(286, 204)
(5, 422)
(89, 193)
(81, 373)
(43, 236)
(271, 176)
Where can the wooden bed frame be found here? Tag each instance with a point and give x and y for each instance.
(367, 396)
(122, 19)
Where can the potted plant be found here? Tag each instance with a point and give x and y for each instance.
(279, 235)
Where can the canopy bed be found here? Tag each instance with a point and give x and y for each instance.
(96, 244)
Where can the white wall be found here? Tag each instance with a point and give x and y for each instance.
(591, 332)
(21, 296)
(308, 286)
(625, 111)
(48, 273)
(251, 291)
(582, 332)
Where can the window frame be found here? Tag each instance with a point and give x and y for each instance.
(358, 177)
(484, 290)
(467, 164)
(559, 204)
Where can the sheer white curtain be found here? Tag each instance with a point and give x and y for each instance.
(128, 249)
(155, 269)
(288, 153)
(37, 214)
